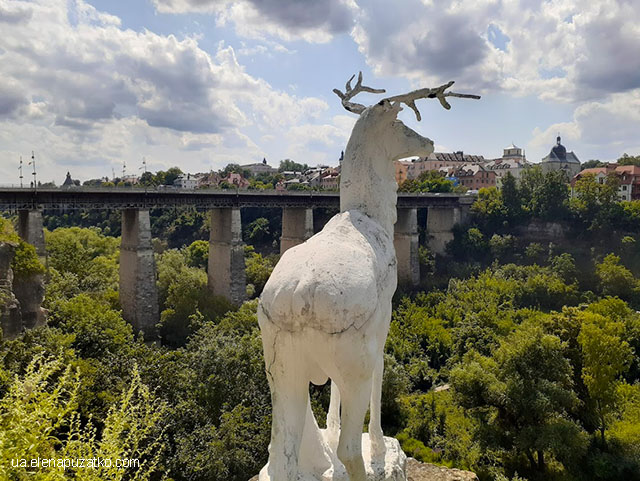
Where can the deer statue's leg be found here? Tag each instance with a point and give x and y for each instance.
(289, 397)
(375, 426)
(354, 398)
(333, 417)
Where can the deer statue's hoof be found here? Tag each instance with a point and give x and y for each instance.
(389, 466)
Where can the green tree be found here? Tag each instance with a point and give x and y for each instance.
(605, 358)
(258, 269)
(511, 196)
(147, 179)
(615, 279)
(25, 261)
(197, 254)
(288, 165)
(429, 181)
(629, 160)
(590, 164)
(257, 232)
(489, 208)
(523, 395)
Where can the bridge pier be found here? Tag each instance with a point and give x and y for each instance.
(226, 276)
(297, 227)
(406, 243)
(31, 230)
(440, 223)
(138, 291)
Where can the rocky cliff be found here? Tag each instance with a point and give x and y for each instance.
(10, 313)
(21, 286)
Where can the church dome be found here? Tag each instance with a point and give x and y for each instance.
(559, 150)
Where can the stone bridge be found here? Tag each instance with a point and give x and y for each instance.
(138, 294)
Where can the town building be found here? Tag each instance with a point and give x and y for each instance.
(186, 181)
(513, 160)
(438, 160)
(260, 168)
(472, 176)
(560, 159)
(628, 177)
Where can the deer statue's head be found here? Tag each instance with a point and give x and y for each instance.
(367, 179)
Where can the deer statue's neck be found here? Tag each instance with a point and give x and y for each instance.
(367, 176)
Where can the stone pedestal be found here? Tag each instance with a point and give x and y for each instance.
(392, 467)
(297, 227)
(138, 291)
(31, 230)
(226, 276)
(406, 243)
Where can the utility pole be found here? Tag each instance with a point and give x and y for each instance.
(20, 169)
(33, 161)
(144, 164)
(124, 168)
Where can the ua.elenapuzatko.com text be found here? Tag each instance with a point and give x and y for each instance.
(75, 463)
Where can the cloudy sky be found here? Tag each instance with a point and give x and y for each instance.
(92, 84)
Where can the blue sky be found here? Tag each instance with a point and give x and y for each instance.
(90, 85)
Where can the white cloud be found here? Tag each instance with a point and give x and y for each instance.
(316, 21)
(586, 131)
(559, 49)
(87, 93)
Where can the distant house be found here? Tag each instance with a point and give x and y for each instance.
(237, 181)
(560, 159)
(131, 179)
(330, 180)
(186, 181)
(628, 176)
(209, 180)
(402, 169)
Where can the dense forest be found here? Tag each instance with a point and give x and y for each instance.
(518, 357)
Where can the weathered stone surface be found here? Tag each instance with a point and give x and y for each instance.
(543, 230)
(417, 471)
(406, 243)
(10, 314)
(226, 275)
(31, 230)
(440, 223)
(30, 293)
(297, 227)
(138, 291)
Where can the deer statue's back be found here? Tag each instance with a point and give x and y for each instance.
(335, 280)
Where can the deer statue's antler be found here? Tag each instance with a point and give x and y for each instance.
(409, 99)
(352, 92)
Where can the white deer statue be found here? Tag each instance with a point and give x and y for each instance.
(326, 309)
